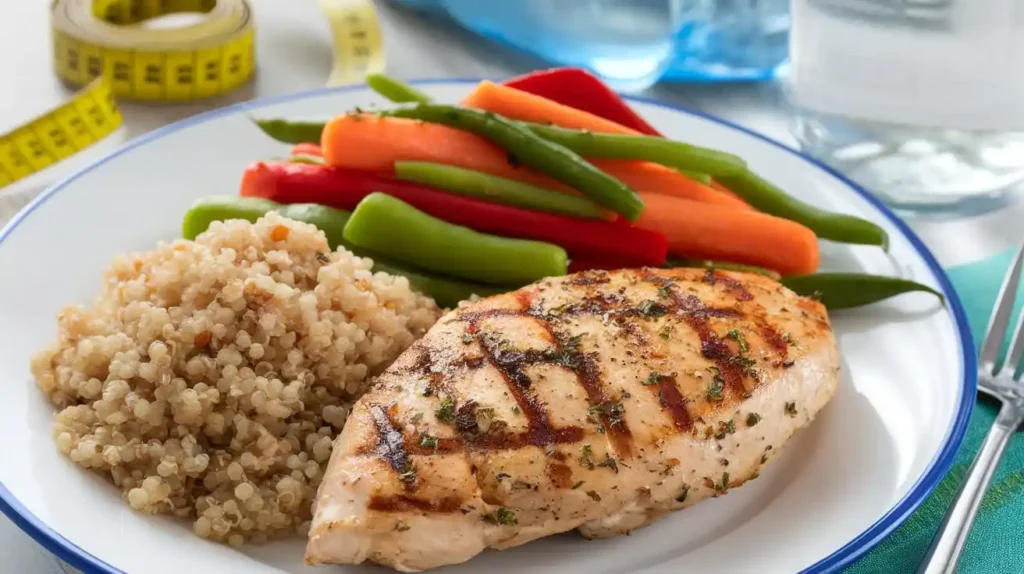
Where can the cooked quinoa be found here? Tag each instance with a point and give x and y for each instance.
(210, 377)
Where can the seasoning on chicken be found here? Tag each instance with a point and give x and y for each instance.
(597, 401)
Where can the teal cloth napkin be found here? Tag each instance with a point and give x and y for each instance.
(996, 543)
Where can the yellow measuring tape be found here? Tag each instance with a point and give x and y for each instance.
(105, 48)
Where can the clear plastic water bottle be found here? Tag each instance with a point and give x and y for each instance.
(632, 44)
(920, 101)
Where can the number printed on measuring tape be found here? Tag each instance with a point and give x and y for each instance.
(99, 48)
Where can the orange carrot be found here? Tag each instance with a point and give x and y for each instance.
(653, 178)
(374, 143)
(714, 183)
(640, 175)
(701, 231)
(527, 107)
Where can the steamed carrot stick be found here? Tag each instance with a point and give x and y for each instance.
(702, 231)
(374, 143)
(653, 178)
(640, 175)
(714, 183)
(527, 107)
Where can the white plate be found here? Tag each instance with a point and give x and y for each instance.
(863, 466)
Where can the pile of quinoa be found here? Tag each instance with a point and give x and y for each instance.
(209, 378)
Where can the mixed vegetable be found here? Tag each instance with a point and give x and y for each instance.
(542, 175)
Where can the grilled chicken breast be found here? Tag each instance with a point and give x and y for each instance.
(597, 401)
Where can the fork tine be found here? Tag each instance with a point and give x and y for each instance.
(999, 322)
(1013, 356)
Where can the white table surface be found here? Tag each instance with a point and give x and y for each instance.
(294, 55)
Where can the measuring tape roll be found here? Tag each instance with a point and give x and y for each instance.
(212, 57)
(102, 47)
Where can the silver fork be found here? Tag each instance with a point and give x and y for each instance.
(999, 381)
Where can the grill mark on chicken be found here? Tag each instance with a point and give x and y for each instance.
(391, 446)
(588, 374)
(732, 286)
(407, 503)
(694, 313)
(509, 365)
(772, 336)
(670, 398)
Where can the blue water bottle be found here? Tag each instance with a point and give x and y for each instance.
(632, 44)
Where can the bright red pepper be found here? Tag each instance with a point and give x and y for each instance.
(601, 242)
(578, 88)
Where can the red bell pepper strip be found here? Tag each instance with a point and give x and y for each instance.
(578, 88)
(602, 242)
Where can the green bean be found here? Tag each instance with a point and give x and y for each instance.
(535, 152)
(696, 176)
(221, 208)
(664, 151)
(446, 291)
(497, 189)
(848, 290)
(764, 196)
(390, 226)
(327, 219)
(289, 131)
(395, 90)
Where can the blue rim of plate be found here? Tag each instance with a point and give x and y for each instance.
(70, 553)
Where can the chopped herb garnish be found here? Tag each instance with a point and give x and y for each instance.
(428, 392)
(577, 485)
(715, 391)
(428, 441)
(585, 459)
(789, 339)
(753, 419)
(515, 409)
(653, 309)
(665, 332)
(610, 463)
(446, 412)
(417, 417)
(665, 290)
(487, 421)
(594, 495)
(764, 458)
(725, 428)
(409, 475)
(402, 526)
(738, 337)
(612, 410)
(549, 451)
(600, 429)
(791, 409)
(724, 483)
(683, 493)
(652, 379)
(505, 516)
(467, 338)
